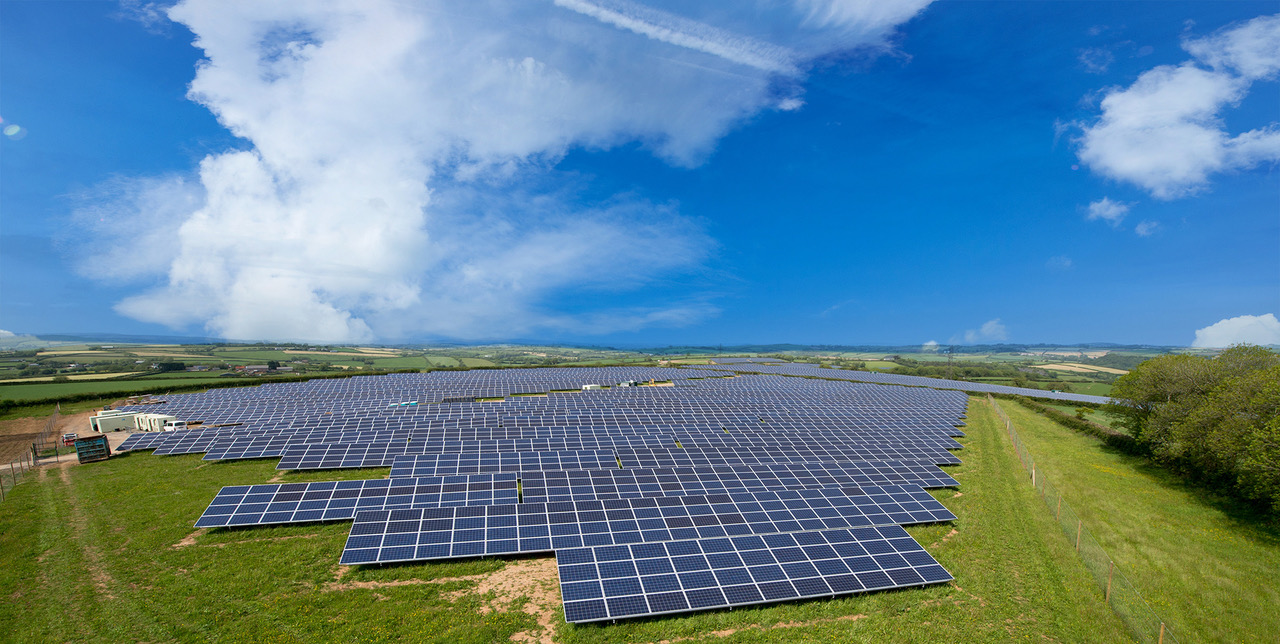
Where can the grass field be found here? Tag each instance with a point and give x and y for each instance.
(73, 377)
(1091, 388)
(1204, 563)
(53, 389)
(105, 552)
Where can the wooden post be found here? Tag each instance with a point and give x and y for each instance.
(1033, 476)
(1110, 570)
(1057, 514)
(1161, 633)
(1079, 527)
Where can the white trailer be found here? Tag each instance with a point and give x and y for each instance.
(112, 421)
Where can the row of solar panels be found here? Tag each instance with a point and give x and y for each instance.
(284, 503)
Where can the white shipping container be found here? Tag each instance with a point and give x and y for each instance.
(112, 422)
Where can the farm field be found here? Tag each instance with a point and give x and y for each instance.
(106, 552)
(1206, 565)
(82, 376)
(52, 389)
(1092, 388)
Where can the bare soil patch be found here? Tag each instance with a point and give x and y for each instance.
(190, 540)
(17, 434)
(945, 538)
(535, 579)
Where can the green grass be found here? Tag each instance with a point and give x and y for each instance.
(93, 560)
(879, 365)
(409, 362)
(37, 391)
(90, 566)
(1204, 563)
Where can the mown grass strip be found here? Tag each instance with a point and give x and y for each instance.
(1204, 562)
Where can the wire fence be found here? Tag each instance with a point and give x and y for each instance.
(1118, 591)
(16, 470)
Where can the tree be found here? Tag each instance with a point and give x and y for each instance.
(1213, 419)
(273, 364)
(1260, 466)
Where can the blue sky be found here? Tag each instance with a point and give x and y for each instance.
(618, 173)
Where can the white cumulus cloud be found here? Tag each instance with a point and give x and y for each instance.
(1253, 329)
(1146, 228)
(930, 346)
(1166, 132)
(397, 174)
(1107, 210)
(6, 334)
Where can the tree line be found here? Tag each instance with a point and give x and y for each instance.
(1215, 420)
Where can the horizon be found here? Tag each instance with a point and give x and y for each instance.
(612, 173)
(74, 339)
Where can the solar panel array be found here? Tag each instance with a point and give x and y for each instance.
(791, 369)
(716, 490)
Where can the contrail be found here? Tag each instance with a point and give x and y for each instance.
(682, 32)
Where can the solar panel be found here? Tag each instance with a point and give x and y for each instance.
(611, 582)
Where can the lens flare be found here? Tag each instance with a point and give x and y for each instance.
(12, 130)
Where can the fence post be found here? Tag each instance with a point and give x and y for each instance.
(1110, 570)
(1079, 527)
(1057, 514)
(1161, 633)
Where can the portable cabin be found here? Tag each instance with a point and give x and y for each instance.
(112, 421)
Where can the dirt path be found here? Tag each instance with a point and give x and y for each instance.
(103, 582)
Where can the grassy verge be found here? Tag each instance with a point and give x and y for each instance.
(1204, 563)
(92, 557)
